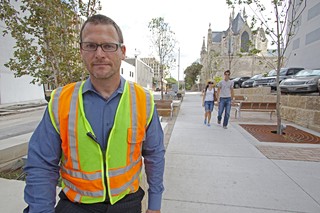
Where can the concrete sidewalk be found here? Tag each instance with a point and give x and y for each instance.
(211, 169)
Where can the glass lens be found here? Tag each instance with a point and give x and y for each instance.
(109, 47)
(106, 47)
(89, 46)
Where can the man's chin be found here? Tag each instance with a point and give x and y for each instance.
(102, 75)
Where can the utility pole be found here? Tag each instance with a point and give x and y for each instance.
(178, 67)
(136, 53)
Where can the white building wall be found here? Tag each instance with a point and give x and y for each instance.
(304, 48)
(15, 90)
(127, 71)
(145, 74)
(142, 72)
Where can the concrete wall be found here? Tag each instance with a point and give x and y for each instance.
(303, 50)
(301, 110)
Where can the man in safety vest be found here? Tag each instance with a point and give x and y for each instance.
(95, 135)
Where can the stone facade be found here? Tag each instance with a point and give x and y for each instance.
(232, 49)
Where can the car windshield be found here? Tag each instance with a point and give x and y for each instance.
(236, 79)
(274, 73)
(256, 76)
(283, 71)
(304, 73)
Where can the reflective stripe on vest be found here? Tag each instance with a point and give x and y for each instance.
(82, 167)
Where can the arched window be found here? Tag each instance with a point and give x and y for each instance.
(245, 42)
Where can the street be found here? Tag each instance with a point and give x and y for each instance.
(19, 124)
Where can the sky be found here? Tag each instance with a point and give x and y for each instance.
(189, 20)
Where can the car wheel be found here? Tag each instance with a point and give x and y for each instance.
(236, 86)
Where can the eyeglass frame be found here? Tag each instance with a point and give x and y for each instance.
(118, 45)
(210, 82)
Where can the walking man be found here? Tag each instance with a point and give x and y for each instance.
(95, 135)
(225, 95)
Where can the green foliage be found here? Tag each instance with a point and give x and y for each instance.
(217, 79)
(163, 41)
(191, 74)
(171, 80)
(47, 36)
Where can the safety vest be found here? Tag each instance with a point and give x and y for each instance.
(87, 171)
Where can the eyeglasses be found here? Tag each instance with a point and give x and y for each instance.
(210, 82)
(106, 47)
(227, 73)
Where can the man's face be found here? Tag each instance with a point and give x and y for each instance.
(100, 64)
(226, 75)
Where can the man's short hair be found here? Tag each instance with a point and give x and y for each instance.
(102, 19)
(227, 71)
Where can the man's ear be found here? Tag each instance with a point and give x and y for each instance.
(123, 50)
(81, 54)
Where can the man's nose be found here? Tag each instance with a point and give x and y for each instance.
(99, 52)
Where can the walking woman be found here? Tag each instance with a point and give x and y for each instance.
(208, 102)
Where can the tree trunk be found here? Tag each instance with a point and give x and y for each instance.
(161, 82)
(279, 129)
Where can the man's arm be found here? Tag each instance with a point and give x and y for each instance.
(42, 168)
(232, 91)
(153, 153)
(218, 94)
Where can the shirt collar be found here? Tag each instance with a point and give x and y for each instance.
(89, 87)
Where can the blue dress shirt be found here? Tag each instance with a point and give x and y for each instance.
(44, 151)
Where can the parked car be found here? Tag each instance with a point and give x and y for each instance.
(319, 86)
(271, 79)
(304, 81)
(238, 81)
(249, 83)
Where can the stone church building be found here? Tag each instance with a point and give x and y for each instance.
(233, 49)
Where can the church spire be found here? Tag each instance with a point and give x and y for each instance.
(244, 15)
(232, 17)
(209, 40)
(203, 49)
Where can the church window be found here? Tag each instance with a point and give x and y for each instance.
(245, 42)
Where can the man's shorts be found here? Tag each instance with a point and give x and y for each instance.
(208, 106)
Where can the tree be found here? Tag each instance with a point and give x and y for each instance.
(47, 35)
(191, 74)
(163, 41)
(281, 23)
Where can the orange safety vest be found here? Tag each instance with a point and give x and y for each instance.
(84, 166)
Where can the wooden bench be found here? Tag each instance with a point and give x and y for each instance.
(164, 107)
(237, 99)
(246, 106)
